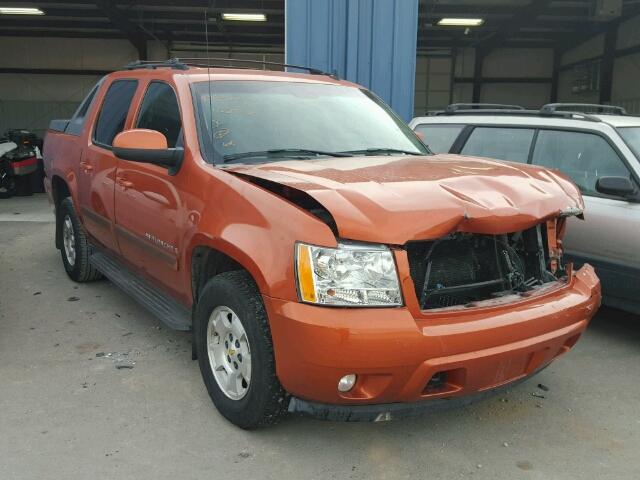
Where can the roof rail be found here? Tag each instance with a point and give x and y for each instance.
(519, 112)
(185, 63)
(152, 64)
(582, 108)
(454, 107)
(207, 62)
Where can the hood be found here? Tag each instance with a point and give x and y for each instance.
(394, 200)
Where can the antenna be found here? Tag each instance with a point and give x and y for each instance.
(206, 33)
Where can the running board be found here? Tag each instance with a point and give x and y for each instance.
(172, 313)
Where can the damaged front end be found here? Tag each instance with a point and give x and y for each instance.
(462, 269)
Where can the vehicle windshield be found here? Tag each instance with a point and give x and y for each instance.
(631, 135)
(257, 121)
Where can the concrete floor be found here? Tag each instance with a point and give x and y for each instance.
(68, 413)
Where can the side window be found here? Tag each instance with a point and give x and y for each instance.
(512, 144)
(77, 121)
(439, 137)
(584, 157)
(114, 111)
(160, 111)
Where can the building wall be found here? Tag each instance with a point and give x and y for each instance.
(437, 82)
(626, 69)
(433, 83)
(31, 100)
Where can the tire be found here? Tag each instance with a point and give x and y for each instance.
(75, 249)
(260, 401)
(7, 187)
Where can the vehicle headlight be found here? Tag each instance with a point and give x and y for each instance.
(351, 275)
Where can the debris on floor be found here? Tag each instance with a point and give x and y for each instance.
(121, 360)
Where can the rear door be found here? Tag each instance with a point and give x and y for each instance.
(610, 234)
(96, 174)
(147, 203)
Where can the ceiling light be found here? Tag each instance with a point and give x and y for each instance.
(245, 17)
(461, 22)
(20, 11)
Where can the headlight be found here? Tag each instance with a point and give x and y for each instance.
(350, 275)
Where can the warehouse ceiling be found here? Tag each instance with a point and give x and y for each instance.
(530, 23)
(559, 24)
(164, 20)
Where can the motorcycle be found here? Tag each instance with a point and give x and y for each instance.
(20, 164)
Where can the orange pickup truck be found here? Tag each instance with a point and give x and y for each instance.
(326, 262)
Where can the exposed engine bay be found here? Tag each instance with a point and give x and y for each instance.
(463, 268)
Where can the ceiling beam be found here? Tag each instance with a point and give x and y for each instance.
(130, 30)
(440, 10)
(523, 17)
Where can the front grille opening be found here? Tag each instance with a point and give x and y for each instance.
(464, 268)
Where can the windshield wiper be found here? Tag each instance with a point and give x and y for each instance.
(283, 152)
(381, 151)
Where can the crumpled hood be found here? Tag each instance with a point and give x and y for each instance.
(394, 200)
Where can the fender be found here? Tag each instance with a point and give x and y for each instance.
(239, 222)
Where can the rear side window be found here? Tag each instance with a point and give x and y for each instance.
(439, 138)
(160, 111)
(77, 121)
(512, 144)
(114, 111)
(584, 157)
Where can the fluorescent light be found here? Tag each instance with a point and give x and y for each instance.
(20, 11)
(461, 22)
(245, 17)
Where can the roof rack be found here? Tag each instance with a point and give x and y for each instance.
(185, 63)
(583, 108)
(153, 64)
(505, 110)
(454, 107)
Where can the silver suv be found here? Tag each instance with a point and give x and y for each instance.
(598, 146)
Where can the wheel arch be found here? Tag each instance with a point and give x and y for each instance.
(59, 190)
(208, 258)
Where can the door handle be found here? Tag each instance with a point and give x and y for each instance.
(86, 167)
(124, 183)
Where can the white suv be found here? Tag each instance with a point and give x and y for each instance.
(598, 146)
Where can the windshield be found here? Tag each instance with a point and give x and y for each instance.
(631, 135)
(305, 120)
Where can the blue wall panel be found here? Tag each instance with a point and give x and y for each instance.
(370, 42)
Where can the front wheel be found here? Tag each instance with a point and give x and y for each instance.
(235, 351)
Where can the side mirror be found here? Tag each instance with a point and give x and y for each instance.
(147, 146)
(616, 186)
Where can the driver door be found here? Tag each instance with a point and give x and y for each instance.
(147, 203)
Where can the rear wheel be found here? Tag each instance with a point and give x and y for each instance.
(235, 351)
(75, 249)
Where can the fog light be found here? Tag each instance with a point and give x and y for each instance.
(347, 382)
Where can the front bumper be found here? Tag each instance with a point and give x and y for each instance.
(384, 412)
(396, 351)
